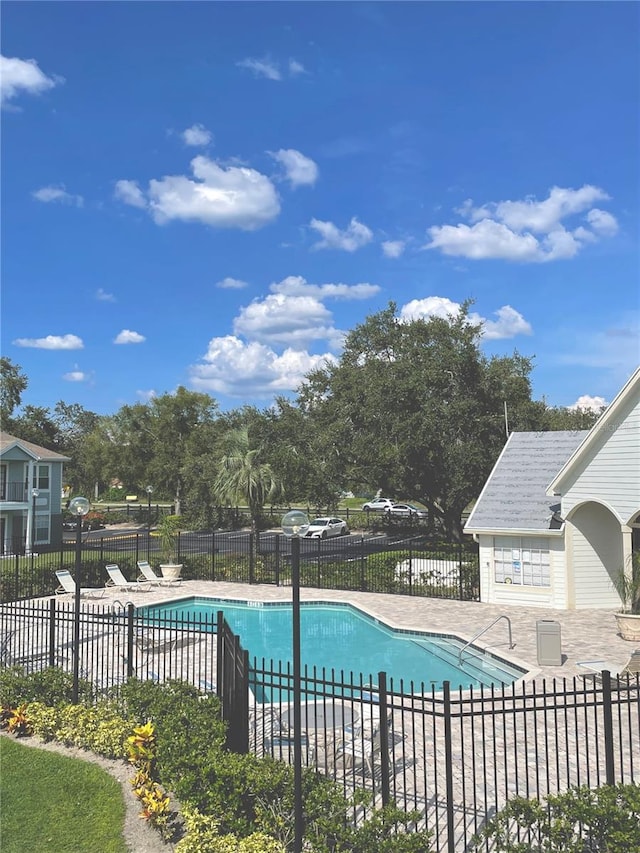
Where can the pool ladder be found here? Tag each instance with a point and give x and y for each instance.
(484, 630)
(123, 605)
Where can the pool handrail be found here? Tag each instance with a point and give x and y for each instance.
(480, 633)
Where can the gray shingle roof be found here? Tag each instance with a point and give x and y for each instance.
(514, 495)
(35, 450)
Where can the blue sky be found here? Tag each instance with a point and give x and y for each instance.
(212, 194)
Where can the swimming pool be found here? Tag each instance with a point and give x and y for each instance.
(342, 638)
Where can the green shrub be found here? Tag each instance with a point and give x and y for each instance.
(49, 686)
(98, 728)
(44, 720)
(581, 820)
(203, 836)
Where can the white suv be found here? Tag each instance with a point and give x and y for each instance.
(378, 505)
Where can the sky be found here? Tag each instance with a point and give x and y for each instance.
(212, 194)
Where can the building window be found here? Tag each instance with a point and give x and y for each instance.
(41, 477)
(521, 560)
(41, 528)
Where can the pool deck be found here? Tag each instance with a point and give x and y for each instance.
(586, 635)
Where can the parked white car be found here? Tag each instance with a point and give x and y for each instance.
(378, 505)
(408, 510)
(322, 528)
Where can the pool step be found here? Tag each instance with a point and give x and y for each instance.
(475, 663)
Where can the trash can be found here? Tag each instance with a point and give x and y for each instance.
(548, 642)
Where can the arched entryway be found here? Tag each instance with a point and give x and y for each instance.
(596, 542)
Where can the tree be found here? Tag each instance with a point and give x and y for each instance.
(12, 383)
(35, 424)
(243, 478)
(152, 442)
(297, 455)
(415, 409)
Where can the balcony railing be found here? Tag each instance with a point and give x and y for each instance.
(16, 492)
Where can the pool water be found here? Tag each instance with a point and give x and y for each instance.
(343, 638)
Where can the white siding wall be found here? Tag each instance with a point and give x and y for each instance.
(596, 556)
(554, 596)
(611, 470)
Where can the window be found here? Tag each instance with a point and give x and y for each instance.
(521, 560)
(41, 529)
(41, 477)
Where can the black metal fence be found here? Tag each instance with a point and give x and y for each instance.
(455, 756)
(402, 564)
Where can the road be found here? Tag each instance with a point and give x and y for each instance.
(232, 541)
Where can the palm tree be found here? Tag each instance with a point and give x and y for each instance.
(243, 479)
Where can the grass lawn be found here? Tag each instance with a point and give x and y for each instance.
(50, 802)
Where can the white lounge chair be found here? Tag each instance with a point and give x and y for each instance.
(594, 668)
(148, 575)
(67, 584)
(117, 580)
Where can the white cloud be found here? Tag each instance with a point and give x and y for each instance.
(103, 296)
(286, 320)
(261, 68)
(430, 306)
(602, 222)
(231, 197)
(55, 342)
(509, 323)
(130, 193)
(393, 248)
(233, 367)
(145, 396)
(51, 193)
(229, 283)
(128, 337)
(592, 404)
(296, 68)
(296, 285)
(196, 135)
(352, 238)
(23, 75)
(299, 170)
(75, 376)
(486, 239)
(541, 216)
(507, 229)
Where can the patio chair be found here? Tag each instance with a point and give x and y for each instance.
(278, 741)
(148, 575)
(67, 584)
(117, 580)
(594, 668)
(360, 750)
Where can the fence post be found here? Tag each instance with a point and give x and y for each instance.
(277, 559)
(219, 653)
(362, 586)
(213, 555)
(130, 671)
(460, 582)
(608, 728)
(243, 734)
(251, 566)
(448, 764)
(384, 736)
(52, 631)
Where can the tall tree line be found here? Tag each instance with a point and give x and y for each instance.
(413, 408)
